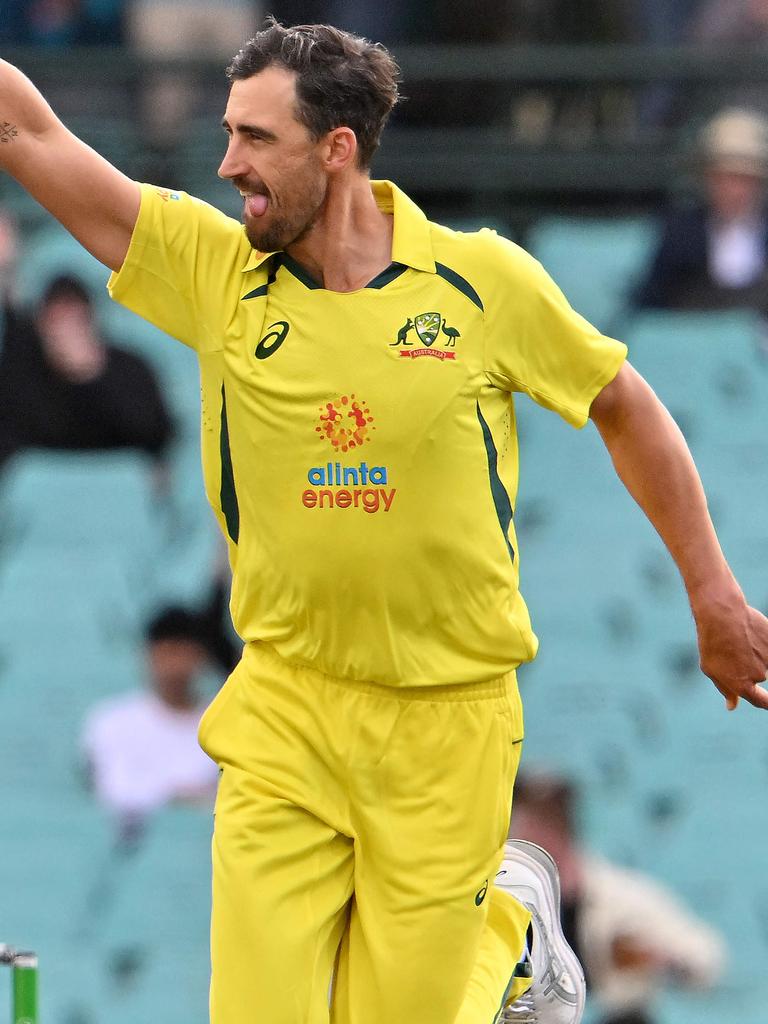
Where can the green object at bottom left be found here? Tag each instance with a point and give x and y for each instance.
(24, 1008)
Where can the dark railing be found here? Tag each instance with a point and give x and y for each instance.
(482, 127)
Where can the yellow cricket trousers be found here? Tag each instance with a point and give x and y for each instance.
(357, 834)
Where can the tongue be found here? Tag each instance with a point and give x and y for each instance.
(257, 205)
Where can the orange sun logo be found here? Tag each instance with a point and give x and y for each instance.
(346, 422)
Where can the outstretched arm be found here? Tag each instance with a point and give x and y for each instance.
(95, 202)
(653, 461)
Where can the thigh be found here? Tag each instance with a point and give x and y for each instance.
(282, 856)
(431, 820)
(282, 879)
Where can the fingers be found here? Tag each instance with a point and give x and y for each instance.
(757, 696)
(754, 694)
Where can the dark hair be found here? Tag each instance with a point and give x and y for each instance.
(342, 80)
(66, 286)
(176, 624)
(552, 796)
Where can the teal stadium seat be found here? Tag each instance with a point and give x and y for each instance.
(713, 375)
(60, 502)
(79, 555)
(50, 251)
(596, 261)
(615, 698)
(157, 917)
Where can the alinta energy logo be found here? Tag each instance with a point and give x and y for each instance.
(428, 327)
(347, 424)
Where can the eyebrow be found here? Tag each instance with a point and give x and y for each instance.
(253, 130)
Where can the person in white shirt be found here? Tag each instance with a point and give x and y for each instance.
(141, 748)
(713, 254)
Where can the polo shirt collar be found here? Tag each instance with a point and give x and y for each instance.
(411, 240)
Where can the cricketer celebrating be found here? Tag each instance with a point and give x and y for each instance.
(358, 365)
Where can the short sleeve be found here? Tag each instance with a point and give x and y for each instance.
(537, 344)
(182, 271)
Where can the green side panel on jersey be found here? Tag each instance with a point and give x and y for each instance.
(229, 505)
(498, 490)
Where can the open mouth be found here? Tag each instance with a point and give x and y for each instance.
(256, 203)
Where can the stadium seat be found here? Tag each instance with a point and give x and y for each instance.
(596, 262)
(51, 251)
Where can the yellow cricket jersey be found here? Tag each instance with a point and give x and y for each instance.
(359, 448)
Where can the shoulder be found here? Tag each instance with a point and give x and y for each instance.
(485, 251)
(492, 264)
(182, 214)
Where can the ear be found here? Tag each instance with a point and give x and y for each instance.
(340, 149)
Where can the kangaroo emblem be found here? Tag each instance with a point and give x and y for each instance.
(402, 334)
(451, 334)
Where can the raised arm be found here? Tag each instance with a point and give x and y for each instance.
(653, 461)
(93, 200)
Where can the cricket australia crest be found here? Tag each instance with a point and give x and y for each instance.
(427, 327)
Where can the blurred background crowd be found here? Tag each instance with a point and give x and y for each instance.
(625, 144)
(83, 22)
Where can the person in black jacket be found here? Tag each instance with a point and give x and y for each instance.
(62, 386)
(714, 254)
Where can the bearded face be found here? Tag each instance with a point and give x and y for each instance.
(283, 212)
(273, 160)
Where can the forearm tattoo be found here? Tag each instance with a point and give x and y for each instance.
(8, 131)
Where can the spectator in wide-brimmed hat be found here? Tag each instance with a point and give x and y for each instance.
(713, 253)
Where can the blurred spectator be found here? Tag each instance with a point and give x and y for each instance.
(57, 24)
(141, 748)
(169, 29)
(11, 22)
(721, 27)
(398, 21)
(63, 386)
(9, 251)
(630, 933)
(714, 254)
(663, 22)
(53, 23)
(731, 23)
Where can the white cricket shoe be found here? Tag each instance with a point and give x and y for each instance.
(558, 991)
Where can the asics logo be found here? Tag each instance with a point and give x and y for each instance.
(481, 894)
(272, 341)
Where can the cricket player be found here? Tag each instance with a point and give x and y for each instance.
(358, 366)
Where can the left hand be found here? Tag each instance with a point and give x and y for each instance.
(733, 650)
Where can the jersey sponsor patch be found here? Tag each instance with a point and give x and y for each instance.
(335, 485)
(346, 422)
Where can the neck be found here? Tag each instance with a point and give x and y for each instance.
(351, 241)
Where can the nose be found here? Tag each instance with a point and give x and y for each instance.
(233, 165)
